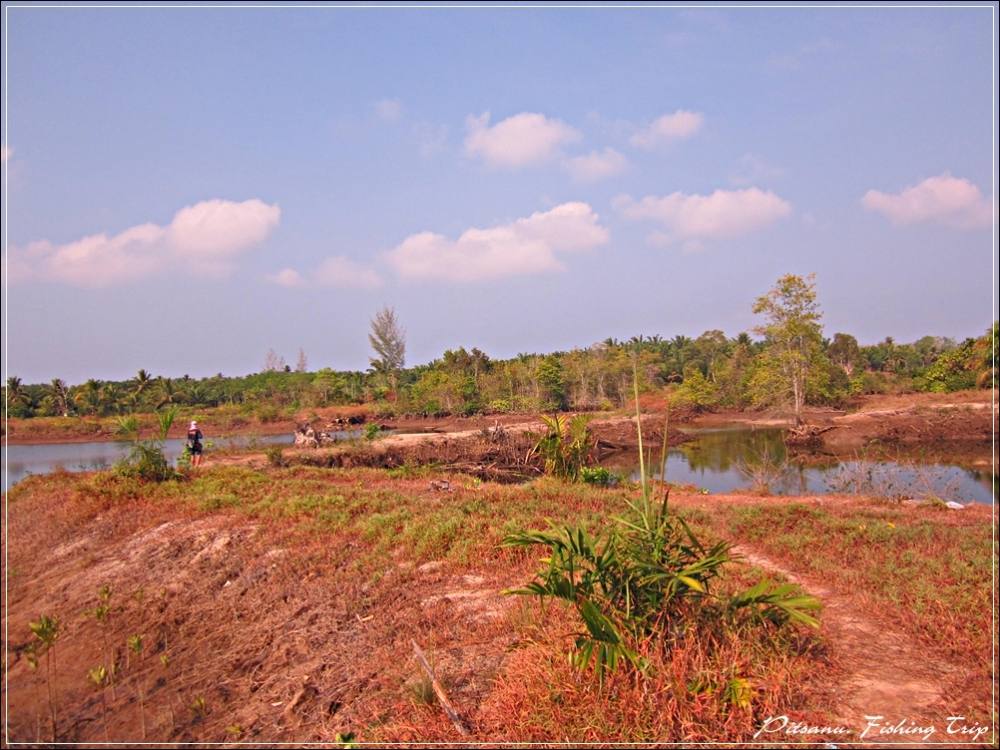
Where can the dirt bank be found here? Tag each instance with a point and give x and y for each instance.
(292, 622)
(493, 451)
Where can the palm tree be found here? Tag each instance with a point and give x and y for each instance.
(168, 393)
(60, 395)
(88, 397)
(14, 392)
(142, 381)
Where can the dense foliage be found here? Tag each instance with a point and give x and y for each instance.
(790, 365)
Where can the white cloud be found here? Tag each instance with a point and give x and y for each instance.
(5, 153)
(388, 109)
(952, 201)
(597, 165)
(668, 128)
(524, 139)
(691, 218)
(525, 246)
(205, 238)
(336, 271)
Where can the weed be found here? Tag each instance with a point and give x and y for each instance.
(275, 456)
(565, 446)
(99, 677)
(46, 632)
(646, 577)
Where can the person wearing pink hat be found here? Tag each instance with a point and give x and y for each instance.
(194, 438)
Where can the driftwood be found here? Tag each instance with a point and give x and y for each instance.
(442, 696)
(806, 434)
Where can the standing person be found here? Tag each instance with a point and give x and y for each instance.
(194, 438)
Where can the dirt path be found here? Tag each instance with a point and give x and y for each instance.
(912, 690)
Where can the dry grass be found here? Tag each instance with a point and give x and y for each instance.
(286, 598)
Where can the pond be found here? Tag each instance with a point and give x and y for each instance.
(718, 460)
(20, 461)
(730, 459)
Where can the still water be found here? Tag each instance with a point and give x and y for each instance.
(21, 460)
(729, 459)
(718, 460)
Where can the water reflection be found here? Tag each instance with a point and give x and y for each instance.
(20, 461)
(729, 459)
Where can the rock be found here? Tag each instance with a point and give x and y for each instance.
(954, 506)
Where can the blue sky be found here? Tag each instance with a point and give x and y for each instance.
(187, 188)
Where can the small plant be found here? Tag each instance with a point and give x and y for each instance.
(275, 456)
(165, 420)
(199, 707)
(99, 677)
(46, 632)
(102, 613)
(599, 475)
(565, 446)
(127, 427)
(135, 646)
(146, 461)
(372, 431)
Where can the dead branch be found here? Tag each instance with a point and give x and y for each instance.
(442, 696)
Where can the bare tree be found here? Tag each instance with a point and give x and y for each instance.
(388, 339)
(272, 362)
(301, 363)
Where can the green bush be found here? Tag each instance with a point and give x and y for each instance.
(267, 413)
(599, 475)
(275, 455)
(146, 461)
(565, 446)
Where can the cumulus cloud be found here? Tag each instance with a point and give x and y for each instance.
(668, 128)
(597, 165)
(519, 141)
(693, 218)
(952, 201)
(526, 246)
(205, 239)
(388, 109)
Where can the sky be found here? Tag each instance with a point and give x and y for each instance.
(187, 188)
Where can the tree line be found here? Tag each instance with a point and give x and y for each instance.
(785, 361)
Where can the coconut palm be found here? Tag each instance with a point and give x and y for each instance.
(59, 394)
(14, 392)
(88, 396)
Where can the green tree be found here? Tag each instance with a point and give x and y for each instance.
(388, 339)
(793, 338)
(551, 383)
(844, 352)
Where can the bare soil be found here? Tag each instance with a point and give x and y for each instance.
(274, 633)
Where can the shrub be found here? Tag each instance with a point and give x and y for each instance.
(599, 475)
(146, 461)
(565, 446)
(267, 413)
(372, 430)
(500, 406)
(648, 579)
(275, 455)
